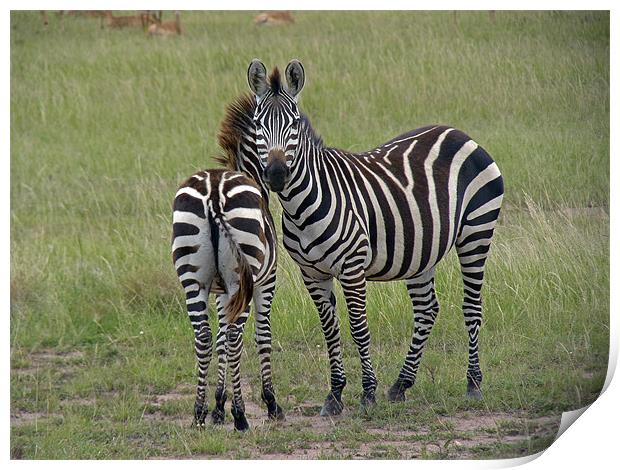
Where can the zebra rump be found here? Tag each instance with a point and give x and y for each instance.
(214, 213)
(239, 302)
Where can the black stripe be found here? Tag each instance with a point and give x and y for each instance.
(184, 251)
(186, 268)
(186, 203)
(181, 229)
(197, 306)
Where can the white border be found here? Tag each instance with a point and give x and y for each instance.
(590, 443)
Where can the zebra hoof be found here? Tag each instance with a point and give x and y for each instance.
(200, 414)
(332, 407)
(218, 416)
(396, 393)
(198, 425)
(276, 414)
(473, 390)
(241, 423)
(367, 402)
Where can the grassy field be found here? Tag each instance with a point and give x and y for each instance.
(104, 126)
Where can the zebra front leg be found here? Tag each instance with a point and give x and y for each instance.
(262, 303)
(353, 284)
(218, 415)
(321, 292)
(425, 309)
(197, 308)
(234, 343)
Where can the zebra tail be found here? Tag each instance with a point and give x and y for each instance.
(239, 302)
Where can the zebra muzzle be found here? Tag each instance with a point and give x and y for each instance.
(276, 172)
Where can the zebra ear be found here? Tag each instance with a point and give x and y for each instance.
(257, 78)
(295, 77)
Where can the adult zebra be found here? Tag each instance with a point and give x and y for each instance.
(386, 214)
(224, 242)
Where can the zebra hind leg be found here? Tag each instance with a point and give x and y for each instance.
(219, 414)
(234, 341)
(421, 291)
(472, 247)
(262, 302)
(197, 305)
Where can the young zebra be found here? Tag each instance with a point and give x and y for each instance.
(224, 242)
(390, 213)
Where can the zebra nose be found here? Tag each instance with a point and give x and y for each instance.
(276, 154)
(276, 172)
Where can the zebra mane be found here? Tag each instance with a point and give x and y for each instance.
(275, 82)
(236, 123)
(307, 129)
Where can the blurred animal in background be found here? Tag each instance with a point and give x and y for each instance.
(274, 18)
(166, 28)
(88, 13)
(149, 17)
(151, 21)
(112, 21)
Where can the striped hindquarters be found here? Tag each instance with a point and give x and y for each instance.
(220, 241)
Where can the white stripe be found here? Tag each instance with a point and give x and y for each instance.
(432, 196)
(187, 218)
(469, 229)
(488, 206)
(243, 212)
(190, 192)
(407, 168)
(455, 167)
(475, 244)
(242, 189)
(387, 154)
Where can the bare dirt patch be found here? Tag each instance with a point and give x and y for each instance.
(23, 418)
(180, 392)
(49, 359)
(35, 364)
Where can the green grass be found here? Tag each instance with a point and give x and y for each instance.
(104, 126)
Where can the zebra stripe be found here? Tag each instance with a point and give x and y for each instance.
(224, 243)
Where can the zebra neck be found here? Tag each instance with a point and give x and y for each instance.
(303, 183)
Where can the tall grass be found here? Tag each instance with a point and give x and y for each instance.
(105, 124)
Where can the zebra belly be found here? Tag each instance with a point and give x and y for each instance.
(413, 245)
(373, 275)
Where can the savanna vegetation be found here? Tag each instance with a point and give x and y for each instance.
(106, 123)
